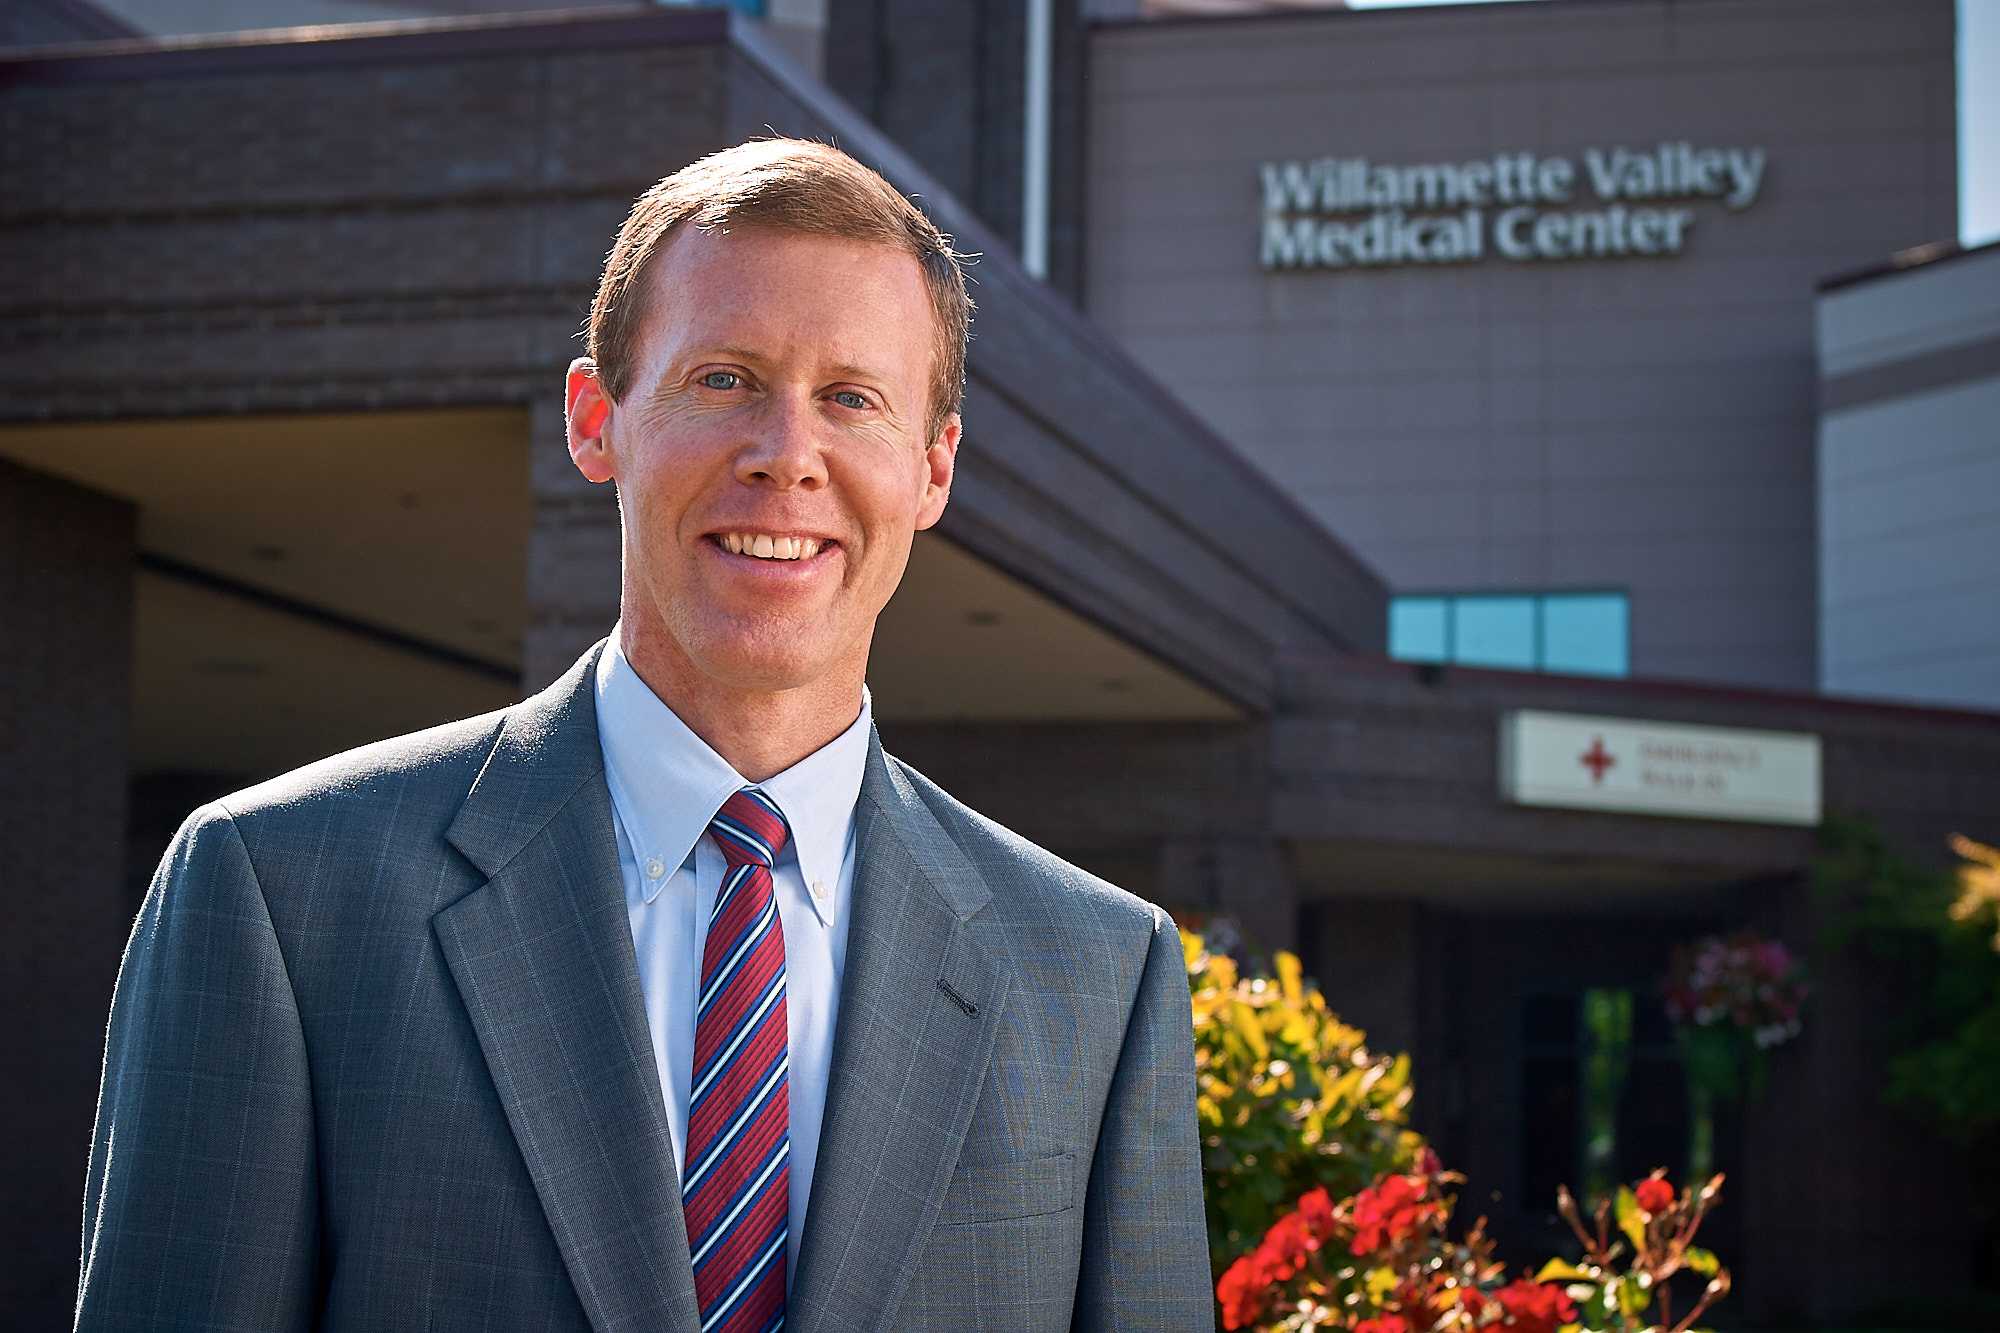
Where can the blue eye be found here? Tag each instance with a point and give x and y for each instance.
(853, 400)
(721, 379)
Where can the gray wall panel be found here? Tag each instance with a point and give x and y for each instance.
(1909, 472)
(1910, 547)
(1641, 423)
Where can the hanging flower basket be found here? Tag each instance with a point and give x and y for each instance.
(1731, 999)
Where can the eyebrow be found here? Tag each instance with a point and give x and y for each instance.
(845, 370)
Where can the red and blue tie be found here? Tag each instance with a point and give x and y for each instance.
(736, 1190)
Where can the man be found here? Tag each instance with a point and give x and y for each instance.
(665, 999)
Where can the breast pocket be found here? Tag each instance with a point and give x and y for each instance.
(999, 1191)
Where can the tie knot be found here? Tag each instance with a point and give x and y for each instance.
(750, 829)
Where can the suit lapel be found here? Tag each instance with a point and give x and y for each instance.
(542, 955)
(920, 1003)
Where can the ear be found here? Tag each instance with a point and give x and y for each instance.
(589, 410)
(939, 461)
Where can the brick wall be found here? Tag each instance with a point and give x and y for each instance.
(65, 662)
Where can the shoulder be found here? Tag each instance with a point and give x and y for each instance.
(436, 766)
(1028, 879)
(362, 826)
(411, 787)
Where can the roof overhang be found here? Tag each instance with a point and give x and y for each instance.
(1080, 475)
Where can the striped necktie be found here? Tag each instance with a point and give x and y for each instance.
(736, 1191)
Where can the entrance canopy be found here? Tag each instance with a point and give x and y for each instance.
(268, 255)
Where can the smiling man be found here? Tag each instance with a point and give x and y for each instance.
(665, 999)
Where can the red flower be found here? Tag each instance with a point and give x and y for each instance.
(1388, 1323)
(1288, 1242)
(1244, 1288)
(1387, 1214)
(1242, 1291)
(1317, 1210)
(1535, 1307)
(1655, 1197)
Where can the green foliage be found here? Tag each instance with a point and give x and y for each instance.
(1607, 1018)
(1937, 929)
(1656, 1228)
(1291, 1099)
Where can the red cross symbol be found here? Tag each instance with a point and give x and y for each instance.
(1596, 759)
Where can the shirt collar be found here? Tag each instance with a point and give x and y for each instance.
(666, 782)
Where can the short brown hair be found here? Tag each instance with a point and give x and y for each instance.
(790, 185)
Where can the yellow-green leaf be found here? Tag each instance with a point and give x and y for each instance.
(1558, 1270)
(1700, 1260)
(1289, 973)
(1630, 1220)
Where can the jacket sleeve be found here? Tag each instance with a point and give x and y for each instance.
(1145, 1241)
(200, 1210)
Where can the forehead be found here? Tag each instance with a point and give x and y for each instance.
(787, 293)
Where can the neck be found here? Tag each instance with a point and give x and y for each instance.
(760, 733)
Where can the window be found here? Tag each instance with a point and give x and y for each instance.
(1579, 633)
(1603, 1097)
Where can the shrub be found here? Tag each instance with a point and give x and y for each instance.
(1291, 1098)
(1384, 1262)
(1939, 928)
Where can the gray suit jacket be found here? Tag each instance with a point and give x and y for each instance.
(378, 1060)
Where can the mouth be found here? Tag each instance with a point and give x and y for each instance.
(765, 546)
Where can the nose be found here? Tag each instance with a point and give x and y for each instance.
(784, 448)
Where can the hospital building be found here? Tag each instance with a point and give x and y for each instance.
(1471, 494)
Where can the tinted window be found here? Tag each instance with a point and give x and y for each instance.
(1578, 633)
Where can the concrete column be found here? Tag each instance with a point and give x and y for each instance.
(573, 552)
(1248, 879)
(66, 573)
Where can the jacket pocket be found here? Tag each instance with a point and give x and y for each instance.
(1006, 1190)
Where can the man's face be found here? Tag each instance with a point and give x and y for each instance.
(769, 454)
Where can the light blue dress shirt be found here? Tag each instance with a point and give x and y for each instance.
(666, 784)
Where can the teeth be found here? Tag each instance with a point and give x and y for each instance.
(766, 547)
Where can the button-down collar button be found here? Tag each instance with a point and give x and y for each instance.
(654, 870)
(819, 889)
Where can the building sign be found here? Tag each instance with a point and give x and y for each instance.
(1340, 212)
(1620, 763)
